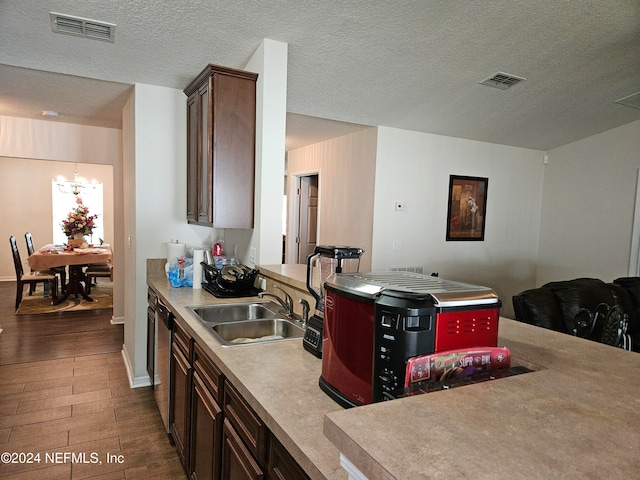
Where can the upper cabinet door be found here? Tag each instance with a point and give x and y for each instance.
(192, 158)
(204, 144)
(221, 112)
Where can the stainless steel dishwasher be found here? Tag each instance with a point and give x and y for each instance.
(161, 377)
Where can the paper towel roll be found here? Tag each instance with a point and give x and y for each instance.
(175, 250)
(198, 256)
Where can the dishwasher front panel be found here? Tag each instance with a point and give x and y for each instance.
(161, 378)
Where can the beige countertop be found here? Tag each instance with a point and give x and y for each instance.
(293, 274)
(578, 416)
(278, 380)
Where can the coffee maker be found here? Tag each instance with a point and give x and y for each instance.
(321, 264)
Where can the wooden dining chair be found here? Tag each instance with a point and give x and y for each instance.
(60, 271)
(32, 278)
(95, 270)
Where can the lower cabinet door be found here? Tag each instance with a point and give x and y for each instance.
(282, 466)
(206, 429)
(237, 461)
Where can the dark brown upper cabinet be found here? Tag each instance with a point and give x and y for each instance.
(221, 138)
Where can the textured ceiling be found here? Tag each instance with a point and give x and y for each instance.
(414, 65)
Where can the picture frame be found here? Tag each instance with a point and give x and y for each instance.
(467, 209)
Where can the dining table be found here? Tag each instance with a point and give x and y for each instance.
(76, 259)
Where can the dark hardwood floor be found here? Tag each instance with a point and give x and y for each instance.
(66, 409)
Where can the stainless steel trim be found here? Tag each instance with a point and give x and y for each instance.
(161, 390)
(445, 293)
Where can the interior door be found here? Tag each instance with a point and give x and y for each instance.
(308, 220)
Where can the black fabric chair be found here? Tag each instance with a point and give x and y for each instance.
(32, 278)
(60, 271)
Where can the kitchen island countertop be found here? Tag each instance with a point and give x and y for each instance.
(576, 416)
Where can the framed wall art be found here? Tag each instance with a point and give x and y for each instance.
(467, 209)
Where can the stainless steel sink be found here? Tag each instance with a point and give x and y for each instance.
(257, 331)
(233, 312)
(234, 324)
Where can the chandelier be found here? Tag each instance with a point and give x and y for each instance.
(77, 185)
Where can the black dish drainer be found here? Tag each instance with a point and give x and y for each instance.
(213, 286)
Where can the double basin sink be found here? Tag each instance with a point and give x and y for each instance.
(249, 323)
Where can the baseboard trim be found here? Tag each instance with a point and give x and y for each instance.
(134, 382)
(117, 320)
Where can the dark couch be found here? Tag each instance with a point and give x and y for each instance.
(557, 305)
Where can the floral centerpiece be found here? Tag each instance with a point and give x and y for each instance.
(78, 222)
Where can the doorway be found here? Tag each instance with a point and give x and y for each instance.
(30, 181)
(306, 222)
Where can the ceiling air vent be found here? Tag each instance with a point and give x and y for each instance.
(82, 27)
(632, 100)
(502, 81)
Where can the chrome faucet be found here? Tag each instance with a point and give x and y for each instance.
(287, 298)
(287, 303)
(275, 297)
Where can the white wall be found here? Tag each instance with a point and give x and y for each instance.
(270, 63)
(588, 207)
(154, 130)
(347, 171)
(55, 140)
(414, 168)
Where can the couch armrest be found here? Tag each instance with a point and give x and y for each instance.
(539, 307)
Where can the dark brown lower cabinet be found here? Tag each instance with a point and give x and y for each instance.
(217, 434)
(206, 419)
(281, 465)
(249, 426)
(205, 433)
(237, 461)
(180, 411)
